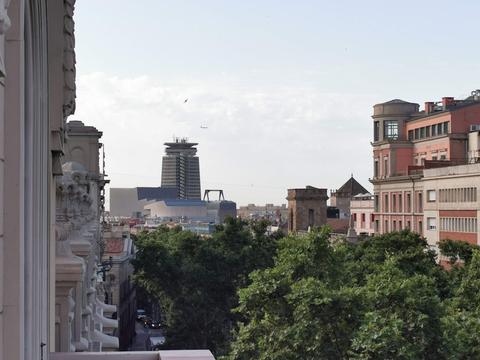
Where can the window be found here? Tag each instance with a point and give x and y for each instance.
(409, 203)
(377, 226)
(400, 203)
(375, 168)
(385, 166)
(458, 195)
(385, 230)
(376, 130)
(445, 127)
(422, 133)
(386, 203)
(420, 202)
(363, 218)
(376, 202)
(427, 131)
(434, 130)
(431, 223)
(417, 134)
(400, 225)
(410, 135)
(391, 129)
(394, 203)
(439, 129)
(311, 217)
(443, 157)
(394, 226)
(420, 227)
(431, 195)
(408, 224)
(434, 157)
(455, 224)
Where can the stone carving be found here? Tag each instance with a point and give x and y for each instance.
(73, 205)
(4, 26)
(78, 233)
(69, 93)
(4, 19)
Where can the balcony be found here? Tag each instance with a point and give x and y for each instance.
(416, 171)
(136, 355)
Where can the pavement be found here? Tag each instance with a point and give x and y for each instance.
(142, 334)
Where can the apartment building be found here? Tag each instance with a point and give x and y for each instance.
(361, 209)
(452, 203)
(419, 157)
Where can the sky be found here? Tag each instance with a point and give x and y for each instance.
(285, 88)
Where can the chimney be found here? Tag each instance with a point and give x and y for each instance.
(447, 101)
(429, 106)
(476, 95)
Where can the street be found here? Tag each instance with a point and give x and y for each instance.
(142, 334)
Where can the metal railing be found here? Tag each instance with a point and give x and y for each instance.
(136, 355)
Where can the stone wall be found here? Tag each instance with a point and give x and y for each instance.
(307, 208)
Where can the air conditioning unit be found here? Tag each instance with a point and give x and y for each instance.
(475, 127)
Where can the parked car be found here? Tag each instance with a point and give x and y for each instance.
(146, 322)
(154, 343)
(141, 314)
(156, 324)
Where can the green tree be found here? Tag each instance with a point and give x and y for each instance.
(380, 299)
(299, 308)
(461, 323)
(195, 279)
(402, 318)
(457, 250)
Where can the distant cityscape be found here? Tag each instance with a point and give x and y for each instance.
(426, 175)
(426, 172)
(385, 267)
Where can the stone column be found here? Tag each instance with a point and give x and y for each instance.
(69, 275)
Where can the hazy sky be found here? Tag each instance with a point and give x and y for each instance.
(286, 88)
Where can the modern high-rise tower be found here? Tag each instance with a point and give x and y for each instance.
(180, 168)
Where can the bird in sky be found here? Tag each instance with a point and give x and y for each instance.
(185, 100)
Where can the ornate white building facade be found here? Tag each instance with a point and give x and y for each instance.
(50, 222)
(50, 294)
(80, 321)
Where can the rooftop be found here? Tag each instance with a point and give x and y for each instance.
(351, 188)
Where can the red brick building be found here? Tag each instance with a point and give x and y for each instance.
(409, 146)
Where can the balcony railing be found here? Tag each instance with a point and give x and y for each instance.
(136, 355)
(416, 170)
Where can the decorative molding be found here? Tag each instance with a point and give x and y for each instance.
(69, 93)
(5, 24)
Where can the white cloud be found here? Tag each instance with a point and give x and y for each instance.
(259, 141)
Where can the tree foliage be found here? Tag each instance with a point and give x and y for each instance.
(195, 279)
(457, 250)
(246, 295)
(385, 298)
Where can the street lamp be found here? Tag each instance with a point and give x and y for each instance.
(105, 266)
